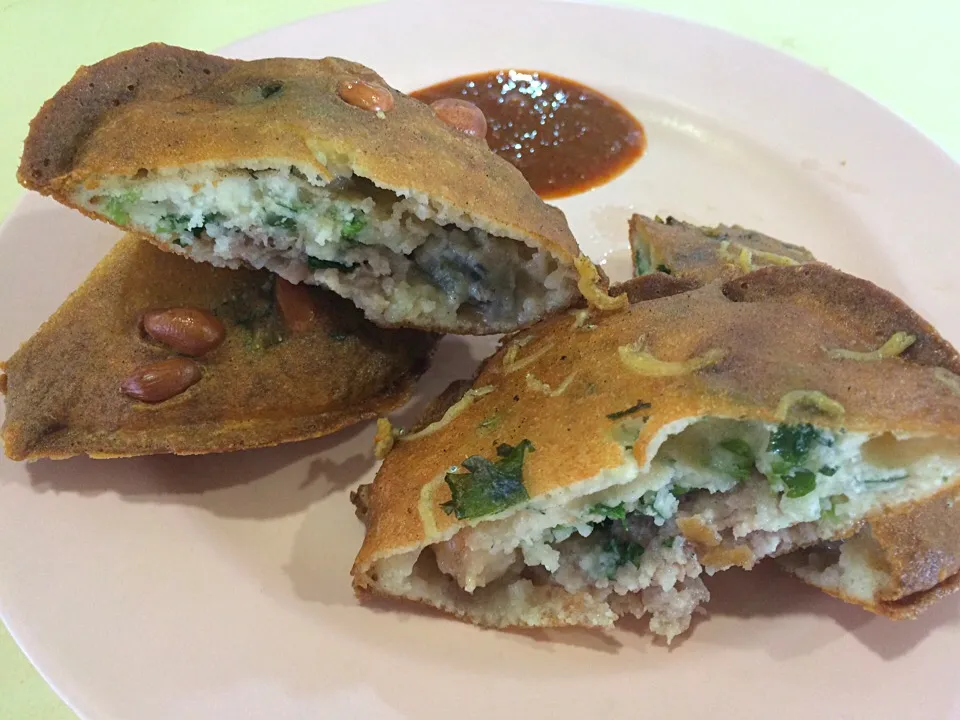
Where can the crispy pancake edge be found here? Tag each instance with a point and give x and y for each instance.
(394, 526)
(75, 136)
(62, 401)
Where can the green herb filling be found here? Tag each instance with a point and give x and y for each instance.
(489, 486)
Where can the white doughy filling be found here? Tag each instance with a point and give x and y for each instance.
(848, 568)
(399, 258)
(765, 489)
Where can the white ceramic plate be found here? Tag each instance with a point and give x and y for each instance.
(218, 587)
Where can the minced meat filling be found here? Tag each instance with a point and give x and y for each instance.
(718, 493)
(360, 240)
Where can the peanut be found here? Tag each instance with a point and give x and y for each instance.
(297, 305)
(162, 380)
(189, 331)
(365, 95)
(461, 115)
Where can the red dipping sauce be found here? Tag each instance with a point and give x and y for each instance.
(563, 136)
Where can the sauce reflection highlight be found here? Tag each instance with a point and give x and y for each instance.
(563, 136)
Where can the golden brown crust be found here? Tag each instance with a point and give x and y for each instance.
(158, 107)
(876, 313)
(916, 545)
(702, 255)
(653, 286)
(66, 121)
(64, 399)
(909, 607)
(768, 347)
(553, 605)
(919, 544)
(811, 286)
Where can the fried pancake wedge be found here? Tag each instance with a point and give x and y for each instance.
(601, 464)
(296, 166)
(705, 254)
(280, 373)
(898, 563)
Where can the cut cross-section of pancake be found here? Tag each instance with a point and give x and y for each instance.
(600, 464)
(314, 169)
(886, 566)
(157, 354)
(704, 254)
(898, 563)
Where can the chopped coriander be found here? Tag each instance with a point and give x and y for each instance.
(280, 221)
(800, 482)
(793, 443)
(828, 471)
(733, 457)
(679, 491)
(619, 553)
(611, 512)
(641, 405)
(117, 207)
(352, 228)
(890, 479)
(668, 542)
(489, 486)
(294, 206)
(664, 269)
(173, 224)
(318, 264)
(641, 263)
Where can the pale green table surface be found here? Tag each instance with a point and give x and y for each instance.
(905, 53)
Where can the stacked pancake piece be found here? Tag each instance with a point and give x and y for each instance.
(602, 463)
(318, 228)
(316, 170)
(299, 232)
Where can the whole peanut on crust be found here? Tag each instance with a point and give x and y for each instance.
(189, 331)
(162, 380)
(297, 305)
(365, 95)
(461, 115)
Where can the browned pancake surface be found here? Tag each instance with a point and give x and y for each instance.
(158, 106)
(770, 347)
(702, 254)
(917, 545)
(262, 386)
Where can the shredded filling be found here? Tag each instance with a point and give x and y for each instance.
(717, 493)
(400, 258)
